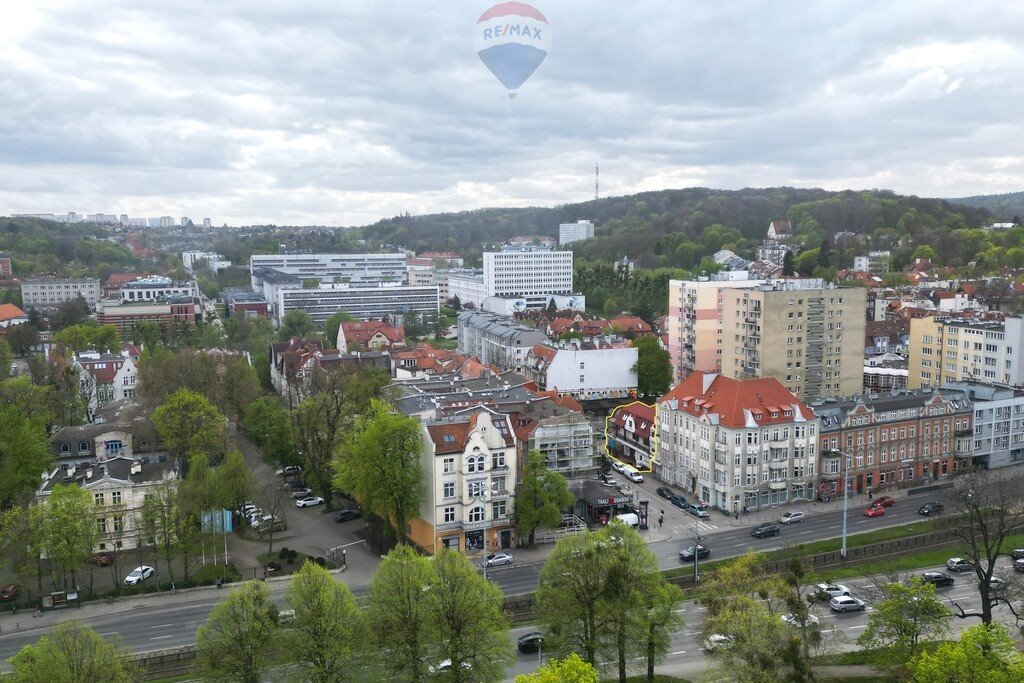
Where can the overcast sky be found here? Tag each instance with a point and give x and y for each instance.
(344, 111)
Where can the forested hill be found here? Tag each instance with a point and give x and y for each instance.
(1005, 207)
(676, 228)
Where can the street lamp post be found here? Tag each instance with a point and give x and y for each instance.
(846, 498)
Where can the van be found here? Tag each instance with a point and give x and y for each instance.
(633, 474)
(629, 519)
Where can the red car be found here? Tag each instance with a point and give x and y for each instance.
(874, 511)
(884, 501)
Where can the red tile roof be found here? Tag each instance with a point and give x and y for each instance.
(642, 414)
(730, 399)
(362, 332)
(10, 312)
(630, 323)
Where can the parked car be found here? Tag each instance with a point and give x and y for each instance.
(497, 560)
(1018, 566)
(791, 620)
(697, 510)
(937, 579)
(246, 509)
(930, 508)
(530, 642)
(290, 469)
(791, 517)
(885, 501)
(959, 564)
(633, 475)
(765, 530)
(309, 501)
(845, 603)
(101, 559)
(272, 525)
(608, 480)
(665, 492)
(678, 501)
(618, 466)
(9, 592)
(1017, 553)
(297, 484)
(346, 515)
(831, 590)
(874, 511)
(717, 641)
(445, 666)
(995, 584)
(301, 493)
(138, 574)
(687, 553)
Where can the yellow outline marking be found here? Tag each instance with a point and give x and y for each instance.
(654, 440)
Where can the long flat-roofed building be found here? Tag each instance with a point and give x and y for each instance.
(352, 268)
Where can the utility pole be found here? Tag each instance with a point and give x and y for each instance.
(696, 552)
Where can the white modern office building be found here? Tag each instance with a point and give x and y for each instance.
(363, 303)
(353, 268)
(574, 232)
(529, 273)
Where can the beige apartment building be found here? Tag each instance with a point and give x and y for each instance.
(807, 333)
(951, 349)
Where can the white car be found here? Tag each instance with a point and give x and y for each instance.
(496, 560)
(138, 574)
(301, 493)
(717, 641)
(633, 475)
(247, 509)
(793, 621)
(618, 466)
(309, 501)
(446, 665)
(832, 590)
(845, 603)
(791, 517)
(290, 469)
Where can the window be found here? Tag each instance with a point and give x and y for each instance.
(65, 448)
(449, 515)
(448, 489)
(476, 489)
(449, 465)
(118, 523)
(477, 514)
(83, 447)
(115, 498)
(498, 485)
(499, 509)
(97, 499)
(475, 463)
(498, 460)
(101, 525)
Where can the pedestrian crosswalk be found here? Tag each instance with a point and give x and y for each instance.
(687, 526)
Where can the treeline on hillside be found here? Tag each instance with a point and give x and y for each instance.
(677, 228)
(39, 246)
(1005, 207)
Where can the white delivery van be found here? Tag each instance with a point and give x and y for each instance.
(629, 519)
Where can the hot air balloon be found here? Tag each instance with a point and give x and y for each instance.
(512, 39)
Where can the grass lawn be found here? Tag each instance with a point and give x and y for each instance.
(211, 572)
(658, 678)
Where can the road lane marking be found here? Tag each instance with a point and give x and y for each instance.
(110, 633)
(677, 652)
(803, 533)
(850, 628)
(161, 637)
(162, 626)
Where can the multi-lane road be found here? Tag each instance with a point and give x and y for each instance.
(161, 621)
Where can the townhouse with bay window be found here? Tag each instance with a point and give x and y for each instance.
(469, 464)
(735, 443)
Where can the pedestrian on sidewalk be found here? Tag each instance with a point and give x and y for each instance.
(661, 520)
(870, 494)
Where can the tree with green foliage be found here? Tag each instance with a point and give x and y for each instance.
(541, 494)
(788, 263)
(70, 313)
(333, 324)
(569, 596)
(74, 653)
(399, 614)
(234, 482)
(984, 653)
(268, 424)
(470, 622)
(659, 622)
(22, 338)
(905, 618)
(67, 529)
(572, 669)
(6, 357)
(326, 638)
(295, 323)
(190, 425)
(379, 463)
(653, 367)
(239, 641)
(24, 454)
(89, 336)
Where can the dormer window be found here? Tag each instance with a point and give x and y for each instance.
(65, 448)
(83, 446)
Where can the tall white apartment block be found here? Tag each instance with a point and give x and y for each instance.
(574, 232)
(44, 292)
(525, 272)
